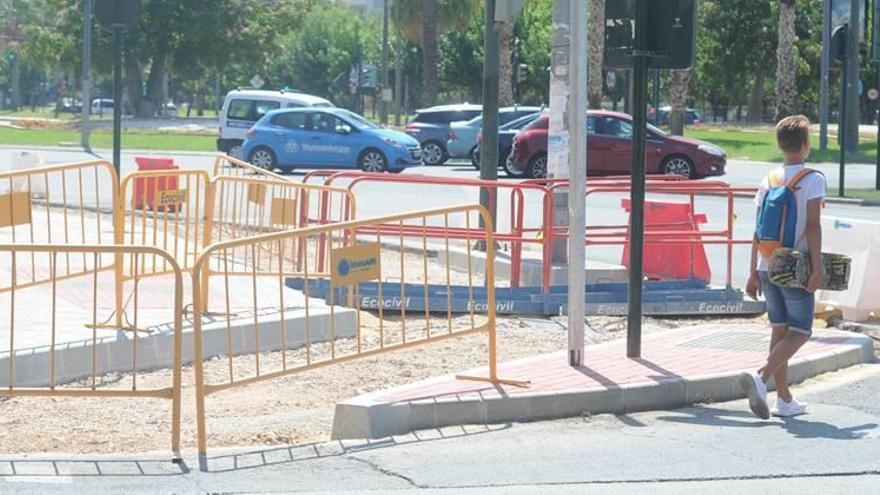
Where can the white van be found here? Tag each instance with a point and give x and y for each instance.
(244, 107)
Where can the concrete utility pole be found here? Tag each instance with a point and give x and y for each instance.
(558, 134)
(86, 97)
(826, 65)
(383, 103)
(489, 149)
(577, 120)
(567, 154)
(852, 79)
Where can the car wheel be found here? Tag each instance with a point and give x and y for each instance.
(235, 151)
(678, 165)
(506, 160)
(475, 158)
(264, 158)
(433, 153)
(372, 160)
(538, 166)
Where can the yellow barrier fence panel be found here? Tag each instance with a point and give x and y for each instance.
(166, 209)
(51, 343)
(308, 318)
(227, 166)
(61, 205)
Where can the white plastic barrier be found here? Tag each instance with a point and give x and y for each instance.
(860, 240)
(23, 160)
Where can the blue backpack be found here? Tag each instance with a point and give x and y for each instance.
(777, 217)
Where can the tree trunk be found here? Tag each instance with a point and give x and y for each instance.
(200, 100)
(756, 100)
(155, 83)
(678, 90)
(596, 53)
(505, 70)
(430, 51)
(133, 84)
(785, 69)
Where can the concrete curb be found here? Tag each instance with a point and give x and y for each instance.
(108, 150)
(73, 360)
(364, 417)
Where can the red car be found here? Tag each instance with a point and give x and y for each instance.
(609, 149)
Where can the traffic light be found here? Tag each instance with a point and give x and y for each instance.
(521, 71)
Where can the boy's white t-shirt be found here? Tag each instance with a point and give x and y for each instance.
(810, 187)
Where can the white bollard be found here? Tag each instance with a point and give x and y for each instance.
(860, 240)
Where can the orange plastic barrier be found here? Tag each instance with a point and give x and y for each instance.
(146, 188)
(667, 261)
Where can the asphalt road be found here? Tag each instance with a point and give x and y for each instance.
(718, 448)
(374, 199)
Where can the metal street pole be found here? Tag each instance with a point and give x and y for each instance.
(383, 105)
(86, 97)
(558, 133)
(825, 69)
(877, 153)
(842, 123)
(577, 118)
(489, 148)
(637, 191)
(398, 81)
(852, 78)
(655, 89)
(117, 98)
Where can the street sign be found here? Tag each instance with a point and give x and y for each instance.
(387, 95)
(873, 94)
(257, 82)
(611, 79)
(669, 36)
(118, 14)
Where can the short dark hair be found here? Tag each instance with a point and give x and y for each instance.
(793, 133)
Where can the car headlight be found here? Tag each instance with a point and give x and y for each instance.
(711, 149)
(392, 142)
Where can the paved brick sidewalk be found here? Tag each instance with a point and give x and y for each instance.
(678, 367)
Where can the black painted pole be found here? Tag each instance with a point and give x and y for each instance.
(117, 98)
(637, 191)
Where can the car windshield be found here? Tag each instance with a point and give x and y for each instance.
(475, 121)
(358, 121)
(521, 122)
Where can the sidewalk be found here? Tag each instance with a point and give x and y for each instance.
(677, 368)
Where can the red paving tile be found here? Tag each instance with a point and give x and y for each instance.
(669, 355)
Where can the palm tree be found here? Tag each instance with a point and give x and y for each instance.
(785, 69)
(505, 70)
(422, 22)
(596, 52)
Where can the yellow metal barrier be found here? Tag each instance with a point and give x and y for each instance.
(60, 204)
(35, 321)
(167, 209)
(391, 251)
(227, 166)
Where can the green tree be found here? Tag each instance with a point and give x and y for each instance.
(534, 28)
(422, 22)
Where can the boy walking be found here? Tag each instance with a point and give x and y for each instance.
(792, 190)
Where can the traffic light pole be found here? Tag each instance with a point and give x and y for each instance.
(86, 97)
(489, 148)
(117, 98)
(637, 191)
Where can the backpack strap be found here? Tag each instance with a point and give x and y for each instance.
(800, 176)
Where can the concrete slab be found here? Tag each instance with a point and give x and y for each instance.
(677, 368)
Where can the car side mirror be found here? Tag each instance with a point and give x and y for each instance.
(343, 129)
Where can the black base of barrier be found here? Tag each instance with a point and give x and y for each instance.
(661, 298)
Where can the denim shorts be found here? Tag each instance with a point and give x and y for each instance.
(787, 306)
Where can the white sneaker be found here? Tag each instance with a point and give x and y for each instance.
(756, 390)
(788, 409)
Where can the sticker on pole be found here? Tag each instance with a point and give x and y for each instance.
(352, 265)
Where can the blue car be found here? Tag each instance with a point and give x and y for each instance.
(327, 138)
